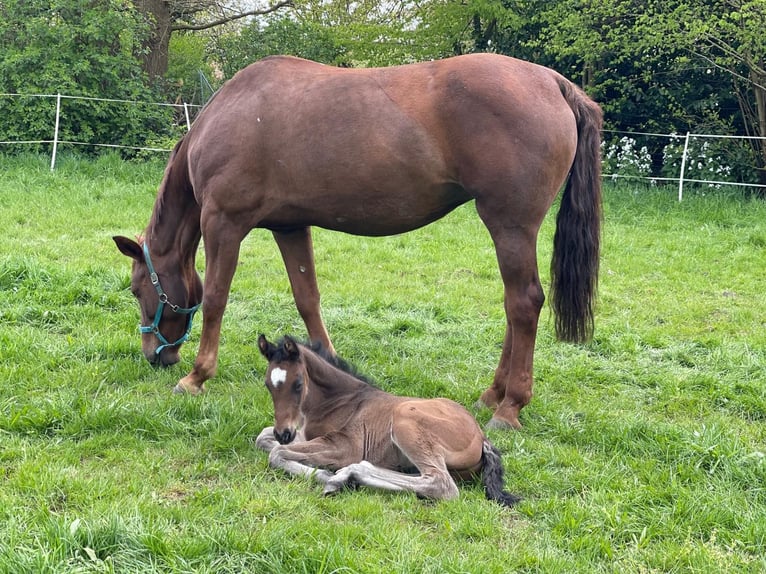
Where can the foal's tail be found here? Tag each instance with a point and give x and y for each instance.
(492, 476)
(574, 266)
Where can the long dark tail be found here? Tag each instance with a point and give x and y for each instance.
(576, 244)
(492, 476)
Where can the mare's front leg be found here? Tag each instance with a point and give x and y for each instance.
(297, 252)
(222, 242)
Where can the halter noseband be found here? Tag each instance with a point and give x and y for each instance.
(155, 326)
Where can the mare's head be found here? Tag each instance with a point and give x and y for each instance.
(286, 380)
(168, 299)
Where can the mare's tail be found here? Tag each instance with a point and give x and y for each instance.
(492, 476)
(574, 266)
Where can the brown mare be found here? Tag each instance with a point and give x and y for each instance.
(287, 144)
(333, 425)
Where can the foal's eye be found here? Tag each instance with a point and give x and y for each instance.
(298, 385)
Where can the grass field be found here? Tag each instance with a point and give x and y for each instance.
(642, 451)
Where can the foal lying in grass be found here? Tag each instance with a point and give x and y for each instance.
(336, 427)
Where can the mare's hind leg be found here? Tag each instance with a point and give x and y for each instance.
(298, 255)
(511, 388)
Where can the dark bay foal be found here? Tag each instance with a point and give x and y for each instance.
(333, 425)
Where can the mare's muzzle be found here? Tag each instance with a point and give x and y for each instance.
(154, 328)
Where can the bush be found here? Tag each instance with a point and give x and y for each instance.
(77, 48)
(625, 158)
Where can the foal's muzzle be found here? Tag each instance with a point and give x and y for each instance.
(285, 437)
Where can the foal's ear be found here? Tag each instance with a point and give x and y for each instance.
(291, 347)
(129, 247)
(267, 349)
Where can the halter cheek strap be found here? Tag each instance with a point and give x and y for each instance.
(154, 328)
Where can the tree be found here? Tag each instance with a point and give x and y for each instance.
(280, 35)
(657, 65)
(729, 35)
(168, 16)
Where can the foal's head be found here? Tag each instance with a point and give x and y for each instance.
(168, 300)
(286, 380)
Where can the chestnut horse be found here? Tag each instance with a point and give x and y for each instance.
(333, 425)
(287, 144)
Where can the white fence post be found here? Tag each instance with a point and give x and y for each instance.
(56, 131)
(683, 168)
(186, 113)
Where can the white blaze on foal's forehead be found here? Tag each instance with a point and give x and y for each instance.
(278, 376)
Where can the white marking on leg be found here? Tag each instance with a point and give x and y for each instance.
(278, 376)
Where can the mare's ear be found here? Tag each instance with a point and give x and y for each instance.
(291, 347)
(129, 247)
(267, 349)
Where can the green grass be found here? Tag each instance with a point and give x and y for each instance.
(642, 451)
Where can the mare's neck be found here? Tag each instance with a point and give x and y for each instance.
(173, 233)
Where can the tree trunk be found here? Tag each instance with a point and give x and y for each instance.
(760, 104)
(157, 12)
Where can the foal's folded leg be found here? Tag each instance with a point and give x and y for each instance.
(306, 458)
(282, 457)
(434, 483)
(266, 440)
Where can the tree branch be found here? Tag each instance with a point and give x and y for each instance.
(729, 71)
(206, 25)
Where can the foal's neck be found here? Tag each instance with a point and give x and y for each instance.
(328, 376)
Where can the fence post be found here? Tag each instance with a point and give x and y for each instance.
(186, 113)
(56, 131)
(683, 169)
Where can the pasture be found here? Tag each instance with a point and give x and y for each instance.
(642, 451)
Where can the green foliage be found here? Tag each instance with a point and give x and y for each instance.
(368, 32)
(189, 70)
(642, 451)
(653, 66)
(281, 35)
(76, 48)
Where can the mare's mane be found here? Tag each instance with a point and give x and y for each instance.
(161, 192)
(280, 354)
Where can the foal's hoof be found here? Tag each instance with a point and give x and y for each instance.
(496, 423)
(331, 489)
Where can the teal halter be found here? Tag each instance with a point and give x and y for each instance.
(155, 326)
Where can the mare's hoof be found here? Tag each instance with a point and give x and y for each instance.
(496, 423)
(183, 388)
